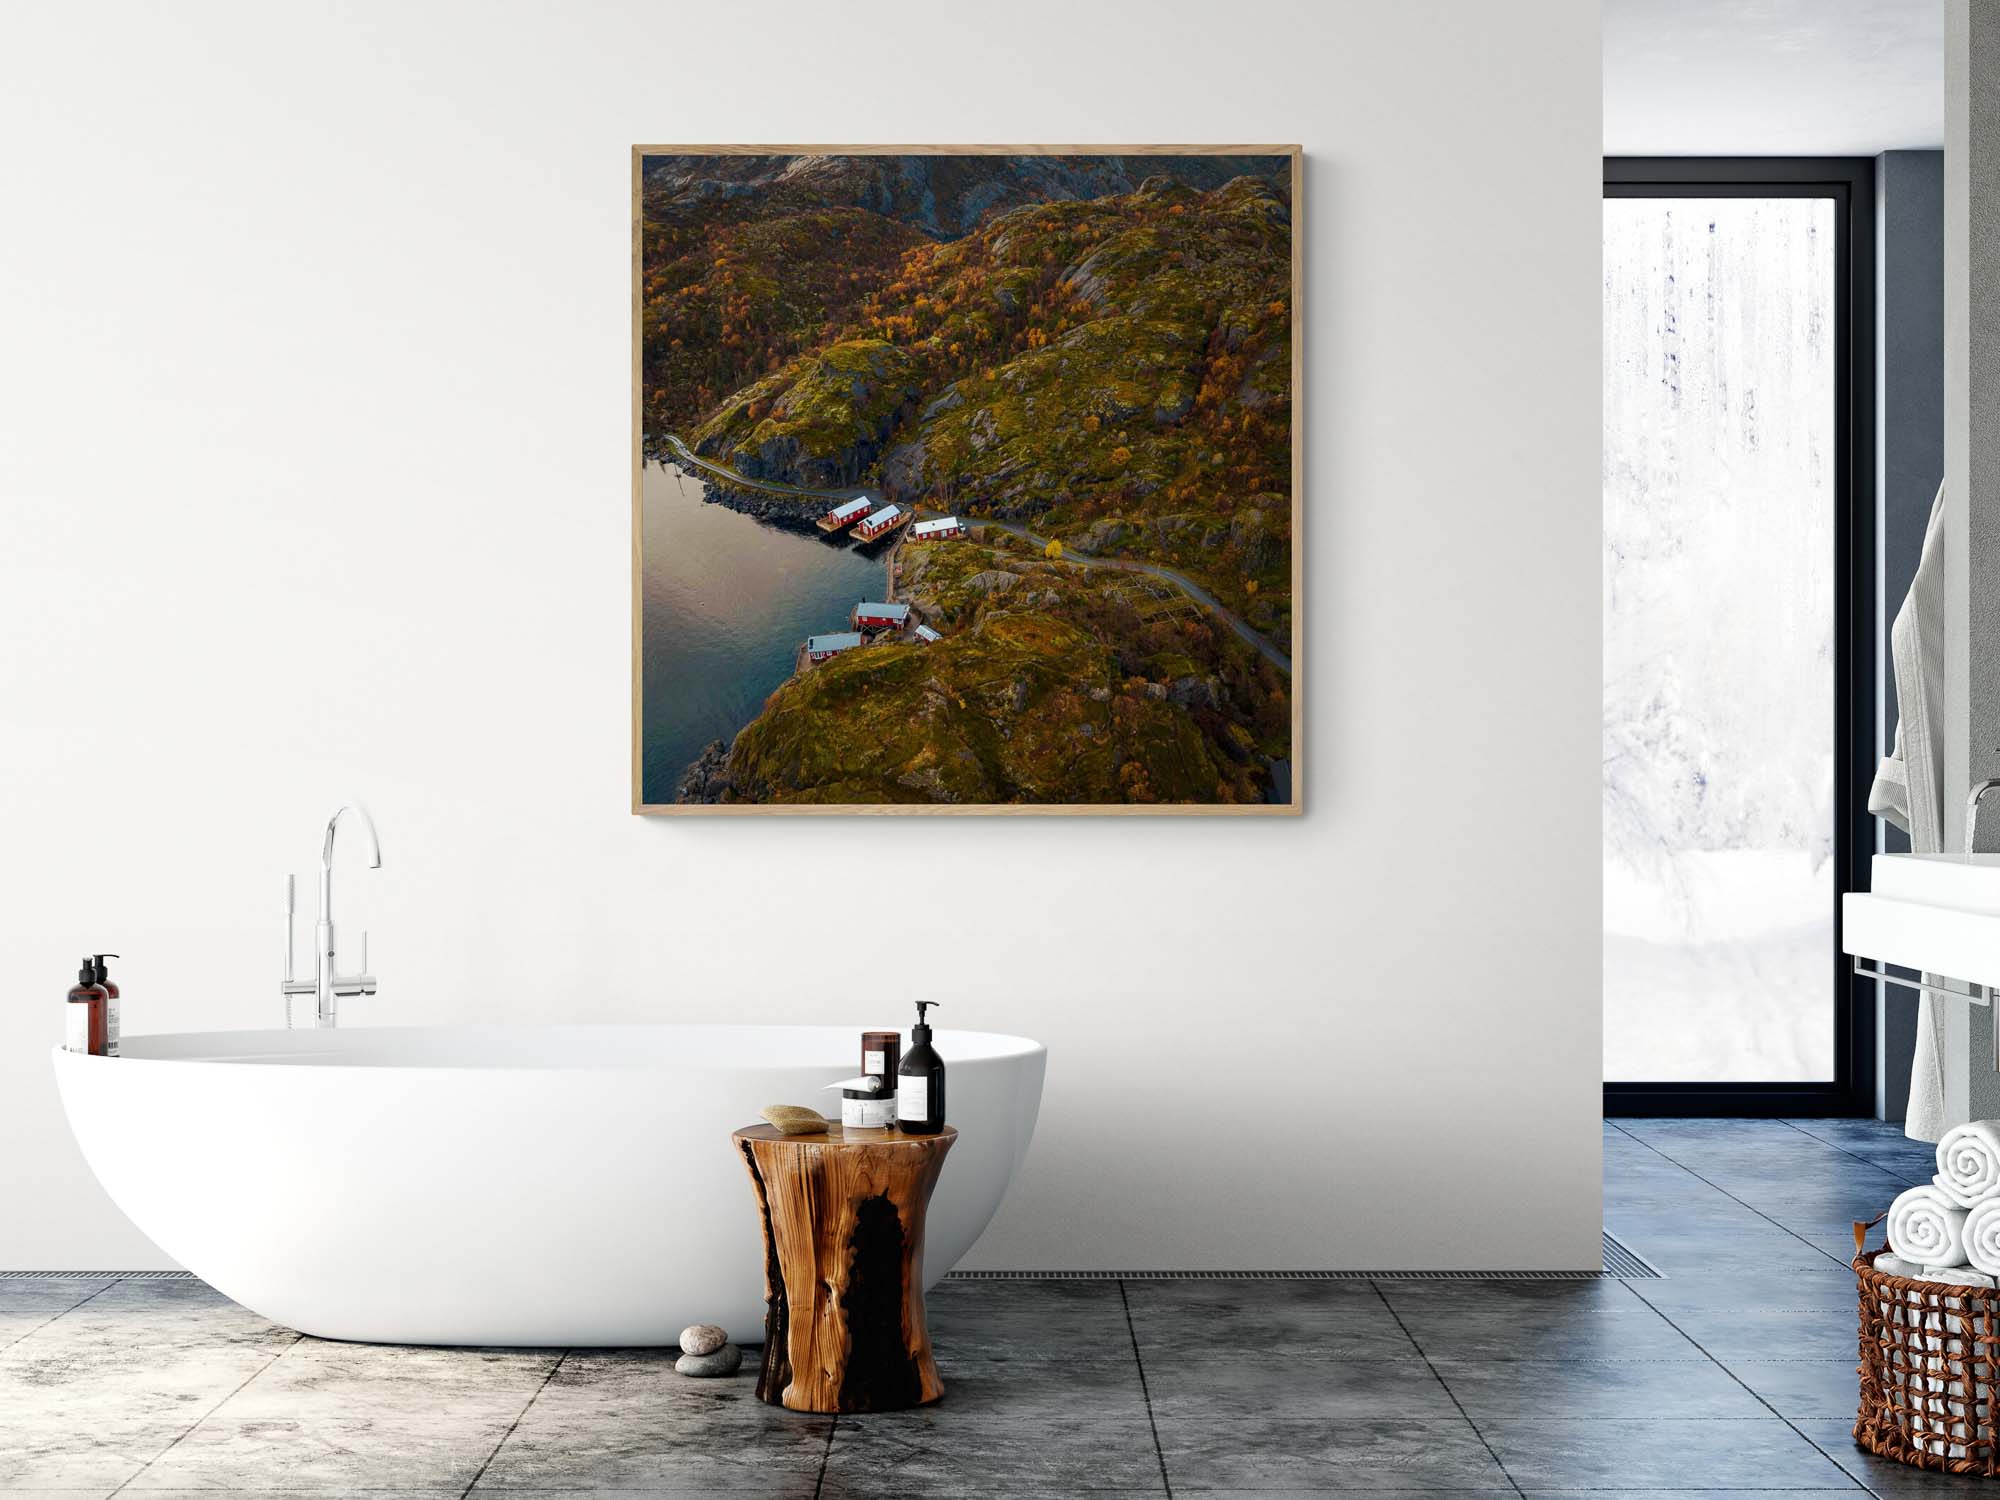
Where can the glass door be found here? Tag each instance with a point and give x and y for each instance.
(1728, 478)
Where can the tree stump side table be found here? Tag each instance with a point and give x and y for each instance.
(843, 1215)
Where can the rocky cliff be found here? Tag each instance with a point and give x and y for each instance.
(1051, 685)
(821, 421)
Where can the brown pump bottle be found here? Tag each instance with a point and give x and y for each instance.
(83, 1029)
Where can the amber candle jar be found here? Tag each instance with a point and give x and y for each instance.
(881, 1056)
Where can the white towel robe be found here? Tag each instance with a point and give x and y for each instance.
(1909, 787)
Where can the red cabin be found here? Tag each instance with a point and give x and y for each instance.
(879, 616)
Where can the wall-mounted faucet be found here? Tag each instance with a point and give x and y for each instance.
(1972, 800)
(327, 986)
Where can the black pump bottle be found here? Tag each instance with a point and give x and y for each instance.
(920, 1082)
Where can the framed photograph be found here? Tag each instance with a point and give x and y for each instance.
(966, 479)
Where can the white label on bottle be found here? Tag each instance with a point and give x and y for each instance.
(76, 1027)
(111, 1027)
(865, 1114)
(874, 1062)
(913, 1099)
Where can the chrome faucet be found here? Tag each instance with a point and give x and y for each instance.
(327, 986)
(1972, 800)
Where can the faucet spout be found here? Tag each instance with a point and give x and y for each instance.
(367, 827)
(1972, 800)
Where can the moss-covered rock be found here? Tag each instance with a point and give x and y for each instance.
(1140, 370)
(734, 286)
(999, 713)
(820, 421)
(1053, 684)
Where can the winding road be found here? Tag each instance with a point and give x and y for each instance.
(1256, 641)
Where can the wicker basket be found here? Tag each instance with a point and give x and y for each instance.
(1930, 1362)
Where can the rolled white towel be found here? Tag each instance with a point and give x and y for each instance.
(1968, 1161)
(1960, 1275)
(1942, 1419)
(1927, 1227)
(1981, 1236)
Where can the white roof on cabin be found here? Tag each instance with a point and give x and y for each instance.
(886, 513)
(839, 641)
(851, 508)
(925, 633)
(882, 611)
(925, 528)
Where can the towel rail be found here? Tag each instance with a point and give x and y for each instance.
(1976, 994)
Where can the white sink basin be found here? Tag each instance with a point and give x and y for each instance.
(1969, 883)
(1936, 912)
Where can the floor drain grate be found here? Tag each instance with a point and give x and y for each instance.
(1619, 1263)
(97, 1275)
(1623, 1261)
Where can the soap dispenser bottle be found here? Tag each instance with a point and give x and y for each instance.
(83, 1028)
(920, 1085)
(102, 978)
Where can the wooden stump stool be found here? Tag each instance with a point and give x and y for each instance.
(843, 1266)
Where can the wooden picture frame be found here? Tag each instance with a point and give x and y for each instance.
(1292, 807)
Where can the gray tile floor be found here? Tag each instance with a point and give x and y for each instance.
(1733, 1372)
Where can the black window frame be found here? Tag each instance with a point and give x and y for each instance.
(1850, 183)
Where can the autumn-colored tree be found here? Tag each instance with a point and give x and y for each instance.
(1132, 776)
(1053, 552)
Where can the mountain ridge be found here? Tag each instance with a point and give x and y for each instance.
(946, 194)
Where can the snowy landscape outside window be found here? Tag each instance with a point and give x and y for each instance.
(1719, 624)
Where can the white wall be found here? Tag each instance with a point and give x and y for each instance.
(313, 426)
(1773, 77)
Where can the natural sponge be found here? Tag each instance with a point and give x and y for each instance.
(794, 1119)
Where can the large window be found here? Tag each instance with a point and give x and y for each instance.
(1729, 479)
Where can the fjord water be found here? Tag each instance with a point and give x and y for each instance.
(727, 600)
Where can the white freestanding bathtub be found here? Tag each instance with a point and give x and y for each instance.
(500, 1185)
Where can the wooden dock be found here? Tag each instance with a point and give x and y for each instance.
(844, 515)
(901, 519)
